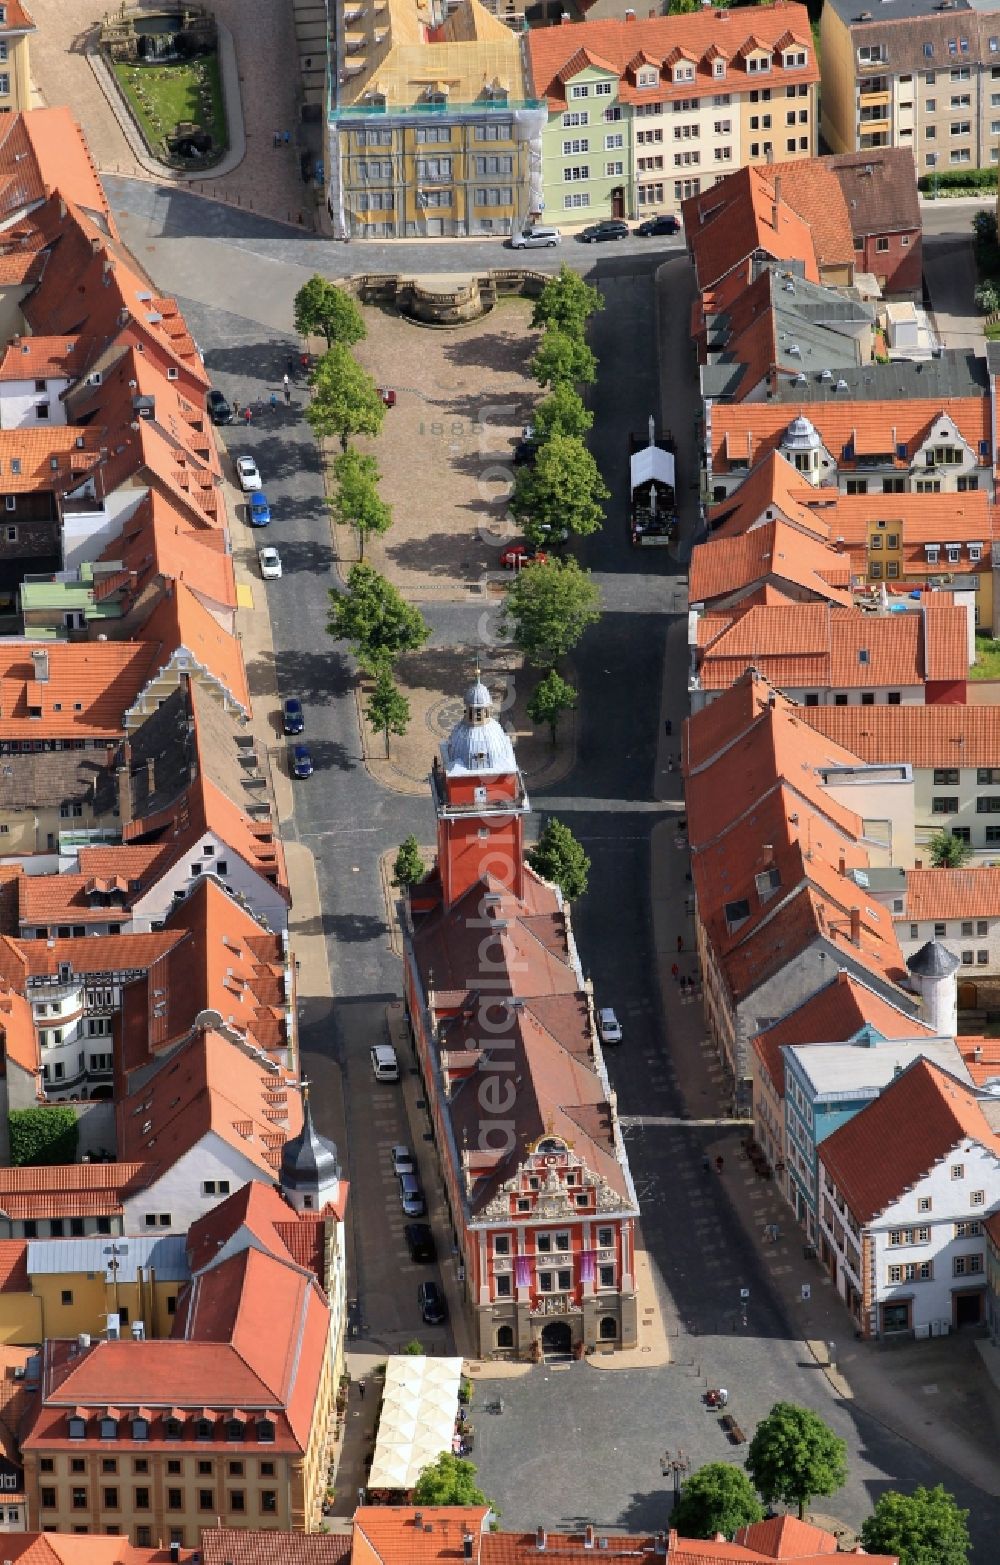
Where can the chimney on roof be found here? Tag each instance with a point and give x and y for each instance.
(418, 1518)
(540, 1538)
(660, 1543)
(150, 776)
(588, 1536)
(977, 1053)
(842, 865)
(467, 1546)
(40, 659)
(855, 926)
(630, 16)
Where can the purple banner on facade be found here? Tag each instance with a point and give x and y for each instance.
(586, 1265)
(522, 1271)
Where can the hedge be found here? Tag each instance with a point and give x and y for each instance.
(971, 179)
(45, 1136)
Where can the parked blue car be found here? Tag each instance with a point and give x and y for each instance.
(260, 511)
(302, 761)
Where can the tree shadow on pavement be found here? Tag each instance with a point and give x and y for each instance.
(354, 928)
(312, 676)
(495, 352)
(435, 555)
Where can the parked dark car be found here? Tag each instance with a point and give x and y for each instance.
(302, 761)
(433, 1309)
(525, 452)
(608, 228)
(219, 410)
(666, 223)
(420, 1242)
(293, 719)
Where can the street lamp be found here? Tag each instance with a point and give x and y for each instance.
(678, 1464)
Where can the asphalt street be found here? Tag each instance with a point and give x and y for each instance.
(546, 1459)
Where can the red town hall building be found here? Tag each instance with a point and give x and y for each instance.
(537, 1179)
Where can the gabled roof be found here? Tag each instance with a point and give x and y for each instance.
(772, 490)
(617, 44)
(161, 541)
(815, 644)
(181, 624)
(88, 688)
(890, 425)
(211, 1085)
(216, 958)
(258, 1215)
(44, 358)
(740, 216)
(725, 568)
(44, 151)
(18, 1038)
(875, 1158)
(834, 1014)
(395, 1535)
(71, 1190)
(880, 188)
(811, 188)
(62, 1548)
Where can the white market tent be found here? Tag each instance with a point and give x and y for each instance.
(652, 462)
(418, 1418)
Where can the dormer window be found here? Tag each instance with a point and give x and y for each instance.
(235, 1429)
(265, 1431)
(758, 62)
(795, 59)
(376, 100)
(204, 1429)
(648, 77)
(77, 1428)
(109, 1429)
(436, 98)
(718, 67)
(140, 1429)
(172, 1428)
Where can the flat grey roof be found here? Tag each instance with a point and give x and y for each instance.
(955, 373)
(846, 1069)
(850, 11)
(166, 1254)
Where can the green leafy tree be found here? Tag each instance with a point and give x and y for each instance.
(43, 1136)
(408, 867)
(948, 851)
(794, 1456)
(717, 1498)
(561, 488)
(548, 608)
(561, 413)
(558, 857)
(345, 399)
(562, 359)
(923, 1528)
(415, 1349)
(388, 709)
(567, 303)
(551, 698)
(322, 307)
(987, 297)
(450, 1480)
(356, 501)
(374, 620)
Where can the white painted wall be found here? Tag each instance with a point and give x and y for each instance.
(264, 899)
(178, 1194)
(19, 399)
(87, 533)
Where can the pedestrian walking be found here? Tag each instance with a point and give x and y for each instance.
(680, 942)
(277, 138)
(247, 415)
(670, 763)
(288, 137)
(288, 391)
(274, 399)
(236, 408)
(285, 378)
(289, 367)
(361, 1389)
(704, 1164)
(675, 971)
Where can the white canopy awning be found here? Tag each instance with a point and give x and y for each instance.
(652, 462)
(418, 1418)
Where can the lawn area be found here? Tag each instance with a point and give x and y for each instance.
(987, 664)
(161, 95)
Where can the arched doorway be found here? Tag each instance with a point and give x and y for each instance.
(557, 1337)
(505, 1336)
(608, 1331)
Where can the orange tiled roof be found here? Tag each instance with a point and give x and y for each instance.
(875, 1156)
(227, 1546)
(981, 1057)
(45, 357)
(182, 621)
(758, 427)
(27, 456)
(927, 736)
(725, 567)
(814, 644)
(739, 215)
(71, 1190)
(61, 1548)
(133, 952)
(158, 540)
(43, 151)
(834, 1014)
(89, 687)
(17, 1029)
(812, 189)
(619, 45)
(14, 1266)
(952, 894)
